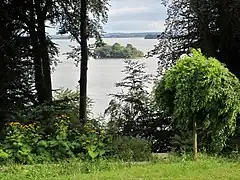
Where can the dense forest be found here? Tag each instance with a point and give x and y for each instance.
(117, 51)
(194, 106)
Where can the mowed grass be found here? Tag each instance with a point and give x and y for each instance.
(173, 168)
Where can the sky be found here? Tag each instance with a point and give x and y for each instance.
(133, 16)
(136, 16)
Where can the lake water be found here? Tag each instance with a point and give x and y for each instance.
(102, 73)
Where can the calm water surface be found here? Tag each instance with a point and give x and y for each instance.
(102, 73)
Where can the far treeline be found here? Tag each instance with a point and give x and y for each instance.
(194, 105)
(117, 51)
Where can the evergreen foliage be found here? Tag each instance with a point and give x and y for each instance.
(131, 111)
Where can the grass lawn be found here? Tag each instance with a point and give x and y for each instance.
(173, 169)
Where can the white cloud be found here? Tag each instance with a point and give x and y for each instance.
(136, 16)
(120, 11)
(135, 26)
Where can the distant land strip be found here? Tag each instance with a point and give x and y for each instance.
(146, 35)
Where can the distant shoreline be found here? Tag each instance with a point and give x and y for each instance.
(104, 38)
(145, 35)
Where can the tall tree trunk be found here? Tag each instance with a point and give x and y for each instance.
(195, 145)
(45, 60)
(39, 83)
(38, 75)
(40, 49)
(84, 64)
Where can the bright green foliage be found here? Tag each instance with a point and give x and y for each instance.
(117, 51)
(28, 144)
(94, 141)
(203, 89)
(19, 140)
(207, 168)
(4, 156)
(56, 135)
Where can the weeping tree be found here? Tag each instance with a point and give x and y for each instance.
(202, 96)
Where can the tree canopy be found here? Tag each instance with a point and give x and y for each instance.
(28, 52)
(201, 89)
(210, 25)
(117, 51)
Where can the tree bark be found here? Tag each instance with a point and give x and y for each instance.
(38, 75)
(195, 145)
(41, 57)
(45, 60)
(84, 64)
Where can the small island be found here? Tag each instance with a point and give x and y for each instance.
(117, 51)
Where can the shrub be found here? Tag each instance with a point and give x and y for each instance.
(130, 149)
(94, 141)
(28, 143)
(56, 146)
(51, 132)
(20, 141)
(47, 132)
(4, 156)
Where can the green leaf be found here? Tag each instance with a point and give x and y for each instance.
(92, 147)
(101, 152)
(93, 154)
(42, 143)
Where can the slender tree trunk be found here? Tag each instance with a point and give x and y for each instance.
(195, 146)
(84, 63)
(41, 13)
(37, 68)
(38, 75)
(45, 60)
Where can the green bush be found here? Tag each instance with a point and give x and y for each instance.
(94, 141)
(130, 149)
(51, 132)
(20, 141)
(28, 144)
(4, 156)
